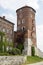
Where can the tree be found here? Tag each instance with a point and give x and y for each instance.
(2, 34)
(33, 51)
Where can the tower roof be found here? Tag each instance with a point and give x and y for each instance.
(26, 7)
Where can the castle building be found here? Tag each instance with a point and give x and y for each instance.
(26, 23)
(8, 28)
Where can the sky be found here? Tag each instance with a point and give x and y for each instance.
(8, 9)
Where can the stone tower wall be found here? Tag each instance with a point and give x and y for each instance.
(26, 20)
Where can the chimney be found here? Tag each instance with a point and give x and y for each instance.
(3, 17)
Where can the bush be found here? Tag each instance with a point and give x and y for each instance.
(9, 51)
(4, 54)
(16, 51)
(33, 51)
(20, 46)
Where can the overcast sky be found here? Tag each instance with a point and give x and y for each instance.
(8, 8)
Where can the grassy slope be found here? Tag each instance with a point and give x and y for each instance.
(33, 59)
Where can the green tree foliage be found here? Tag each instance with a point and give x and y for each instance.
(2, 34)
(20, 46)
(33, 51)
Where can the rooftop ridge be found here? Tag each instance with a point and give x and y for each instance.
(7, 20)
(28, 7)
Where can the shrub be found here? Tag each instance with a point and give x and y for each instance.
(16, 51)
(33, 51)
(9, 51)
(4, 54)
(20, 46)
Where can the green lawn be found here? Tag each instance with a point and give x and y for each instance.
(33, 59)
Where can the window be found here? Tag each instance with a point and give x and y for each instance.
(19, 22)
(3, 29)
(11, 31)
(23, 21)
(7, 30)
(23, 28)
(18, 28)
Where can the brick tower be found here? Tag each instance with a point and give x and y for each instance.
(26, 21)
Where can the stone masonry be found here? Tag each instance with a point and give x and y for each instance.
(12, 60)
(26, 22)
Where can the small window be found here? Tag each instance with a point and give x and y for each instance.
(23, 21)
(23, 28)
(7, 30)
(3, 29)
(18, 28)
(11, 31)
(19, 22)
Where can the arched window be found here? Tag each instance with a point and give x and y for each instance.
(23, 28)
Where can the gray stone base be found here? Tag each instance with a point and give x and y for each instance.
(12, 60)
(27, 47)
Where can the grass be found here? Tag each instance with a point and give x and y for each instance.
(33, 59)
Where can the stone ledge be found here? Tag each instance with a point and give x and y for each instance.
(12, 60)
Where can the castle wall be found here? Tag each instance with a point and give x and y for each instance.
(26, 21)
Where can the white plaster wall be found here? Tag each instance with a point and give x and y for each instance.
(27, 46)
